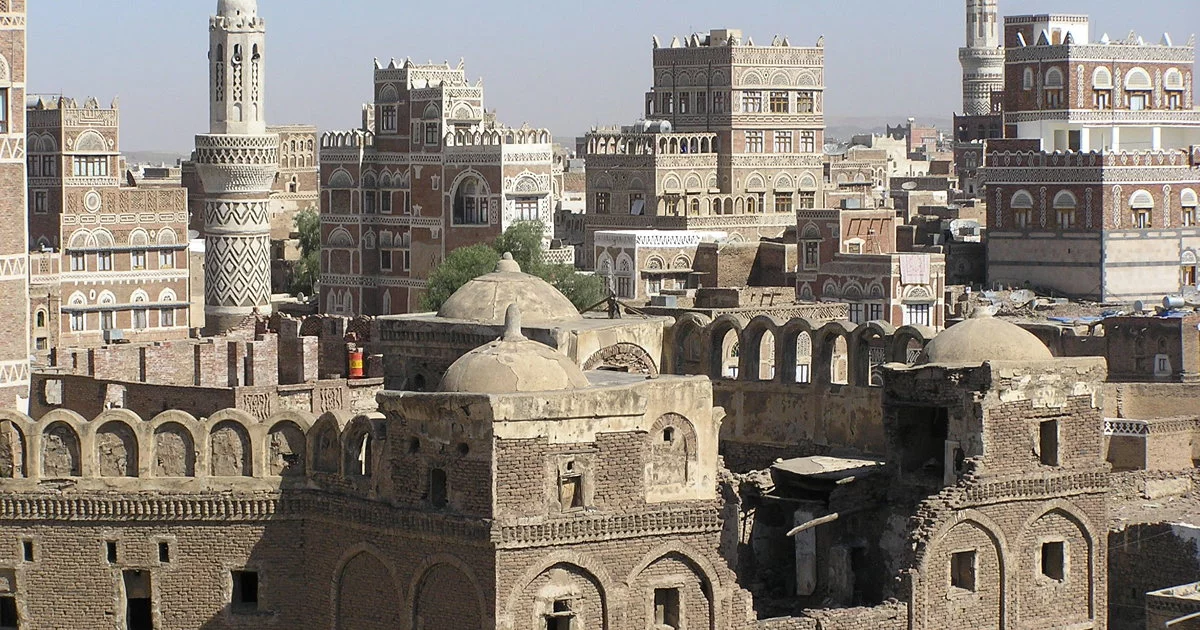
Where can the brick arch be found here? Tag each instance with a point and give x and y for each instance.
(116, 448)
(701, 567)
(966, 518)
(425, 575)
(630, 356)
(371, 604)
(1087, 530)
(673, 452)
(608, 589)
(714, 336)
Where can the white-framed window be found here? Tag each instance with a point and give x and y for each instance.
(104, 261)
(806, 102)
(808, 142)
(918, 314)
(1066, 219)
(754, 141)
(385, 259)
(783, 202)
(752, 102)
(526, 208)
(432, 134)
(78, 322)
(108, 320)
(166, 317)
(783, 142)
(90, 165)
(471, 203)
(138, 259)
(78, 261)
(141, 318)
(166, 259)
(1022, 218)
(779, 102)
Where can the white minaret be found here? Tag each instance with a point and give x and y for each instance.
(237, 162)
(983, 57)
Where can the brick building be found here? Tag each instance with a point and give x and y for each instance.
(429, 172)
(14, 252)
(122, 266)
(732, 142)
(1093, 193)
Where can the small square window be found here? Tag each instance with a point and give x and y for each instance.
(245, 591)
(164, 552)
(1054, 560)
(561, 616)
(110, 551)
(27, 550)
(962, 570)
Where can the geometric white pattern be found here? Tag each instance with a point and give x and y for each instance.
(237, 271)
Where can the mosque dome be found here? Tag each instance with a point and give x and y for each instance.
(484, 299)
(512, 364)
(237, 8)
(984, 338)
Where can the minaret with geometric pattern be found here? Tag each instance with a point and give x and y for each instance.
(983, 57)
(14, 233)
(237, 162)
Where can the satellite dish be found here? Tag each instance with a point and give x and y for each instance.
(1139, 307)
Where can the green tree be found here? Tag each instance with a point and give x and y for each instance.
(460, 267)
(524, 241)
(307, 270)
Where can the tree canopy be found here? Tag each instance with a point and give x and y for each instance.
(524, 241)
(308, 270)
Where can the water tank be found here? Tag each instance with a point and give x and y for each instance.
(1173, 302)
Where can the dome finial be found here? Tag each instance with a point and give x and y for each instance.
(982, 311)
(507, 264)
(512, 324)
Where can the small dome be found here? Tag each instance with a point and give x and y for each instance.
(236, 8)
(485, 298)
(984, 338)
(512, 364)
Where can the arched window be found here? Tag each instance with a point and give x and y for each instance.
(40, 319)
(1173, 83)
(1027, 82)
(1141, 204)
(470, 203)
(1054, 87)
(1022, 208)
(1137, 89)
(1064, 209)
(1188, 204)
(1102, 86)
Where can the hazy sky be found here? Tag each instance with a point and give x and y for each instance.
(565, 65)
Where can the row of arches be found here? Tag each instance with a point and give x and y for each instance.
(495, 137)
(103, 239)
(386, 179)
(229, 444)
(794, 351)
(106, 298)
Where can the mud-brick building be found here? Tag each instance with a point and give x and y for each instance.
(122, 263)
(1092, 193)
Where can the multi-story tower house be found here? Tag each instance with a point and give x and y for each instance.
(429, 172)
(120, 252)
(983, 84)
(237, 162)
(733, 142)
(1093, 193)
(14, 255)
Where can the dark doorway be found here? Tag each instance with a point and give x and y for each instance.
(138, 609)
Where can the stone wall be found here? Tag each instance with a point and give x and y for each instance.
(1144, 558)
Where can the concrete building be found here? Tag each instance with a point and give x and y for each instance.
(237, 162)
(111, 259)
(429, 172)
(1093, 193)
(14, 251)
(731, 142)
